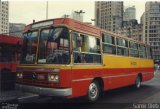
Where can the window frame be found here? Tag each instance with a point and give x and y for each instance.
(133, 49)
(123, 47)
(80, 49)
(105, 43)
(141, 51)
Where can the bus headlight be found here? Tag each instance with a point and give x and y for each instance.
(19, 75)
(53, 77)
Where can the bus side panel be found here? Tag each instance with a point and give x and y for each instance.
(107, 83)
(122, 71)
(148, 75)
(80, 88)
(120, 77)
(119, 71)
(81, 79)
(65, 77)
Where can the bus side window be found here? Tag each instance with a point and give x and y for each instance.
(76, 49)
(122, 47)
(75, 41)
(134, 49)
(108, 44)
(142, 51)
(89, 51)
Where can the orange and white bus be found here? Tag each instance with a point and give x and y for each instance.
(68, 58)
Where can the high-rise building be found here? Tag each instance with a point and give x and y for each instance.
(4, 17)
(16, 29)
(129, 14)
(132, 29)
(142, 18)
(109, 15)
(142, 21)
(151, 27)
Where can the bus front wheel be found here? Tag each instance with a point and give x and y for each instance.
(93, 91)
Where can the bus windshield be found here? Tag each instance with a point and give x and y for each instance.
(54, 46)
(29, 47)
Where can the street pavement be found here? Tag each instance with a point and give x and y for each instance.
(147, 97)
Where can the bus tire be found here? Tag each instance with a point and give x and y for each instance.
(138, 82)
(93, 91)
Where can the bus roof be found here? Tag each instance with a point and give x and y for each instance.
(77, 26)
(70, 23)
(8, 39)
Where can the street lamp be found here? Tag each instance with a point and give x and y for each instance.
(47, 10)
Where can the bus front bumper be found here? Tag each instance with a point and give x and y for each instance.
(45, 91)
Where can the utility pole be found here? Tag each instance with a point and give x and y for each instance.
(47, 10)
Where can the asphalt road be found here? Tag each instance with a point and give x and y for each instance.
(147, 97)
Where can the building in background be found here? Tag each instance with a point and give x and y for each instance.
(142, 22)
(109, 15)
(4, 17)
(77, 15)
(132, 29)
(151, 27)
(129, 14)
(137, 32)
(16, 29)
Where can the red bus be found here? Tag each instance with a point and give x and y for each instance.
(8, 60)
(68, 58)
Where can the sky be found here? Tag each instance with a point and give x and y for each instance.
(26, 11)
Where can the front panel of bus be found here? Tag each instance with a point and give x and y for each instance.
(45, 61)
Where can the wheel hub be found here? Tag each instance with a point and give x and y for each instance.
(93, 90)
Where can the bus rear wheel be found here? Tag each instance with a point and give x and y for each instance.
(138, 82)
(93, 91)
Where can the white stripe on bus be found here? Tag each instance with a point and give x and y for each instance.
(107, 77)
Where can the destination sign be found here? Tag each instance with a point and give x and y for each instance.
(41, 24)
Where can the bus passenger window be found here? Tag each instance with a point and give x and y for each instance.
(79, 58)
(109, 49)
(142, 51)
(108, 44)
(75, 41)
(122, 47)
(122, 51)
(89, 52)
(134, 49)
